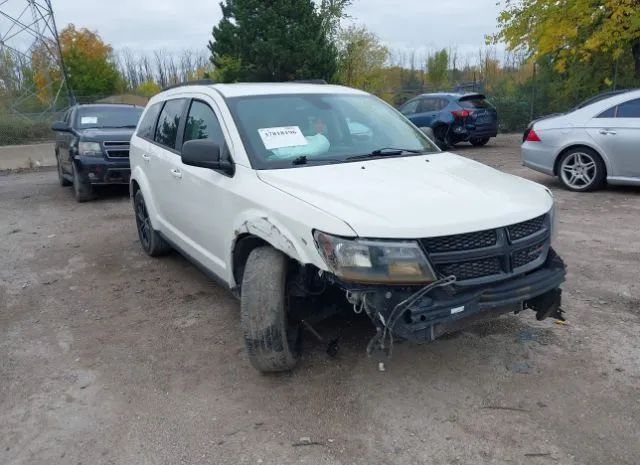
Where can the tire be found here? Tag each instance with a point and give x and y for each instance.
(150, 239)
(83, 192)
(64, 182)
(581, 169)
(271, 345)
(443, 138)
(477, 142)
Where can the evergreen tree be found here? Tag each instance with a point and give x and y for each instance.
(275, 40)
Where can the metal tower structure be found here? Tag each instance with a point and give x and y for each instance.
(28, 32)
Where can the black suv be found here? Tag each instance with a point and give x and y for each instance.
(92, 146)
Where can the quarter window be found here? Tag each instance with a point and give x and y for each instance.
(410, 107)
(148, 123)
(202, 124)
(168, 123)
(610, 113)
(630, 109)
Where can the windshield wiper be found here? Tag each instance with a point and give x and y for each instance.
(303, 160)
(119, 127)
(384, 152)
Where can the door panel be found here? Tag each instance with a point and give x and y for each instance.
(619, 138)
(201, 204)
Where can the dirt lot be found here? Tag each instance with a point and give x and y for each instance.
(110, 357)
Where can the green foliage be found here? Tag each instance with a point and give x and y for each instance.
(568, 31)
(14, 130)
(148, 89)
(281, 40)
(361, 59)
(89, 64)
(438, 68)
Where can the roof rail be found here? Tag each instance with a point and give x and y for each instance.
(309, 81)
(199, 82)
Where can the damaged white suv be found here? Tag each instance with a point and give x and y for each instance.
(308, 198)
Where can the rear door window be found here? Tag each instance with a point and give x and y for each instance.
(148, 123)
(169, 122)
(610, 113)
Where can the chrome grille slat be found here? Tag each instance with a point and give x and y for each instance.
(116, 149)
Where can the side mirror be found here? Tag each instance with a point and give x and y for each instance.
(429, 133)
(60, 126)
(205, 153)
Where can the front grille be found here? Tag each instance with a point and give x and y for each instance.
(468, 241)
(490, 255)
(116, 149)
(525, 256)
(472, 269)
(526, 228)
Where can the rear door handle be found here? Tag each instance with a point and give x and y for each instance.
(146, 157)
(604, 132)
(176, 173)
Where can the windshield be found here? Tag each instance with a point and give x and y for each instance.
(280, 130)
(108, 117)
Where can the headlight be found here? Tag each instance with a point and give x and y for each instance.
(90, 149)
(375, 261)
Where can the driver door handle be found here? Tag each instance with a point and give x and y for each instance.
(176, 173)
(604, 132)
(146, 157)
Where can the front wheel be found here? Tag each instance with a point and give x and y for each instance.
(83, 192)
(272, 343)
(581, 169)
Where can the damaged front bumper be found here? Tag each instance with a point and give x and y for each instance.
(453, 307)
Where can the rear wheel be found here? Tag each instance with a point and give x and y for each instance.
(272, 341)
(151, 241)
(64, 182)
(83, 192)
(479, 142)
(581, 169)
(443, 137)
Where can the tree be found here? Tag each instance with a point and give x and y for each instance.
(275, 40)
(89, 63)
(361, 58)
(438, 69)
(571, 30)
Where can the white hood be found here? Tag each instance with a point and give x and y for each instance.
(414, 197)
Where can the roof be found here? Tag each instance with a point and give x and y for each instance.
(451, 94)
(108, 105)
(270, 88)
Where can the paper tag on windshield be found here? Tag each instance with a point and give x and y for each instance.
(89, 120)
(286, 136)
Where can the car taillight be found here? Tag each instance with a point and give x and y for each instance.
(461, 114)
(532, 137)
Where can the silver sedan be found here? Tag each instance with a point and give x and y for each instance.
(596, 143)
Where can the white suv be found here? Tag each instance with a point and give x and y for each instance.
(304, 198)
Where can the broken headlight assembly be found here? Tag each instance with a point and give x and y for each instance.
(374, 261)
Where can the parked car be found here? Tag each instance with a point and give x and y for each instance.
(594, 144)
(306, 199)
(92, 146)
(454, 117)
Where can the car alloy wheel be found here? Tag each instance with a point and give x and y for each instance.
(578, 170)
(143, 223)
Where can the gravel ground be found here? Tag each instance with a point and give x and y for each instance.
(110, 357)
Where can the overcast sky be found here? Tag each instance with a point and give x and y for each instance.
(177, 24)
